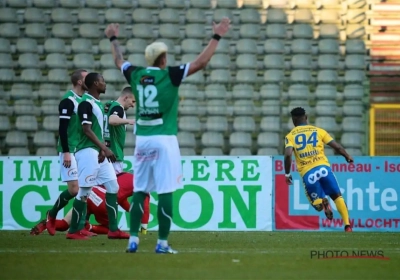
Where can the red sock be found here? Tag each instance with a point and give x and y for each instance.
(61, 225)
(99, 229)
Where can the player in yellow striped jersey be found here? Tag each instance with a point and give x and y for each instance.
(307, 142)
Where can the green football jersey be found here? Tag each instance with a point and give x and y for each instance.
(90, 111)
(68, 109)
(157, 99)
(115, 135)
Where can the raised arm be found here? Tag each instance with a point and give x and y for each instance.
(112, 32)
(202, 60)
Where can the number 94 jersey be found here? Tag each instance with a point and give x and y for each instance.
(308, 143)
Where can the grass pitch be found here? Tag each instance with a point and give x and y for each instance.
(202, 255)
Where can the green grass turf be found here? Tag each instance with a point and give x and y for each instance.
(203, 255)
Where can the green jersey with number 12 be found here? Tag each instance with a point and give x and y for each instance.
(115, 135)
(157, 99)
(90, 111)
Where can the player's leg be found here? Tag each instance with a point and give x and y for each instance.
(146, 215)
(144, 183)
(167, 177)
(108, 179)
(70, 176)
(63, 224)
(314, 192)
(331, 188)
(99, 229)
(87, 161)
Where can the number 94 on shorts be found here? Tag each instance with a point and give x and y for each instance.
(320, 181)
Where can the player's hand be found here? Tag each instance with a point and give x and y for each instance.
(289, 180)
(110, 155)
(223, 27)
(349, 159)
(67, 160)
(102, 156)
(131, 122)
(112, 30)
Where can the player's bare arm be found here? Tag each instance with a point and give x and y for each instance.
(340, 150)
(112, 31)
(115, 120)
(288, 164)
(202, 60)
(66, 109)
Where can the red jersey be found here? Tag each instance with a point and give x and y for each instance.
(96, 203)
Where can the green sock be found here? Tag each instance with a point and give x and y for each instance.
(82, 219)
(136, 212)
(112, 211)
(62, 200)
(77, 214)
(164, 214)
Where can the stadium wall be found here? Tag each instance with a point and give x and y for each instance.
(225, 193)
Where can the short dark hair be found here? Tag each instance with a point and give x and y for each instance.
(91, 78)
(157, 62)
(298, 112)
(76, 76)
(126, 90)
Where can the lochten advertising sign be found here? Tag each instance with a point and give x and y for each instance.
(370, 188)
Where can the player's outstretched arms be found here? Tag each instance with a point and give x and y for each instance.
(341, 151)
(112, 32)
(202, 60)
(288, 164)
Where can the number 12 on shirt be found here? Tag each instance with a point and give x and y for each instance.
(303, 141)
(147, 94)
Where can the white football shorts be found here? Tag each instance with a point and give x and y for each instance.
(71, 173)
(118, 167)
(90, 171)
(157, 164)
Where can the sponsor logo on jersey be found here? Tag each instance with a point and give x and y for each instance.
(147, 80)
(72, 172)
(90, 179)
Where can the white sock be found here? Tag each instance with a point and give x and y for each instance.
(163, 243)
(134, 239)
(144, 226)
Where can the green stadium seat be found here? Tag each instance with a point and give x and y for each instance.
(191, 46)
(302, 46)
(58, 76)
(354, 76)
(249, 16)
(274, 46)
(18, 151)
(277, 31)
(328, 61)
(268, 140)
(8, 15)
(187, 152)
(223, 47)
(270, 91)
(217, 107)
(136, 59)
(240, 140)
(244, 124)
(250, 30)
(299, 92)
(46, 151)
(57, 60)
(44, 139)
(63, 30)
(123, 4)
(169, 31)
(220, 76)
(246, 61)
(26, 123)
(243, 91)
(31, 75)
(195, 30)
(189, 91)
(351, 140)
(329, 46)
(355, 46)
(326, 108)
(190, 123)
(212, 139)
(115, 15)
(274, 61)
(136, 45)
(353, 124)
(54, 45)
(29, 60)
(36, 30)
(98, 4)
(60, 15)
(142, 31)
(325, 92)
(34, 15)
(355, 62)
(6, 60)
(217, 124)
(328, 31)
(9, 30)
(301, 61)
(240, 152)
(21, 91)
(267, 152)
(152, 4)
(203, 4)
(82, 45)
(17, 3)
(273, 76)
(327, 76)
(353, 108)
(84, 61)
(90, 31)
(212, 152)
(44, 3)
(354, 151)
(276, 16)
(195, 16)
(5, 46)
(16, 139)
(113, 76)
(27, 45)
(7, 75)
(272, 124)
(216, 91)
(4, 123)
(188, 107)
(141, 16)
(353, 91)
(186, 139)
(327, 123)
(88, 15)
(246, 76)
(246, 46)
(244, 107)
(51, 123)
(130, 140)
(219, 61)
(169, 16)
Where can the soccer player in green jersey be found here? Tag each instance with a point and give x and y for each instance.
(115, 122)
(157, 164)
(94, 161)
(68, 139)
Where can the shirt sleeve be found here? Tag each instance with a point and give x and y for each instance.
(326, 138)
(178, 73)
(288, 142)
(85, 112)
(127, 68)
(66, 108)
(118, 111)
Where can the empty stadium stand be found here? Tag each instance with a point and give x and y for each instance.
(279, 54)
